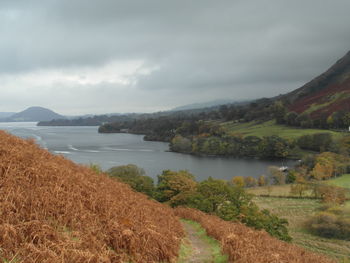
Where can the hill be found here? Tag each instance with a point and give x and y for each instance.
(325, 94)
(52, 210)
(34, 114)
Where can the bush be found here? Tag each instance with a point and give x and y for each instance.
(332, 223)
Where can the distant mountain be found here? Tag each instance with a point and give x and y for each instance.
(204, 105)
(325, 94)
(34, 114)
(6, 114)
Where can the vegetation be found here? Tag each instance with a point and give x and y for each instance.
(333, 222)
(133, 176)
(212, 246)
(341, 181)
(297, 211)
(218, 197)
(243, 245)
(53, 210)
(212, 196)
(256, 128)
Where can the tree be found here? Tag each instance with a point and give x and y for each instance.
(250, 181)
(299, 187)
(291, 118)
(262, 180)
(346, 120)
(180, 144)
(273, 147)
(175, 187)
(322, 171)
(218, 192)
(133, 176)
(332, 194)
(238, 181)
(279, 112)
(304, 120)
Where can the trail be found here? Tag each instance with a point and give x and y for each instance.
(201, 249)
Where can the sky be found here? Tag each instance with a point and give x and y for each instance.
(108, 56)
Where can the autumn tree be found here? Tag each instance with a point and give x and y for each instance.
(238, 181)
(300, 186)
(175, 187)
(250, 181)
(262, 180)
(332, 194)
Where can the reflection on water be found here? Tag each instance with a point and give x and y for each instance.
(85, 145)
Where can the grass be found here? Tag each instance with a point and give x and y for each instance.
(342, 181)
(271, 128)
(186, 248)
(297, 211)
(276, 191)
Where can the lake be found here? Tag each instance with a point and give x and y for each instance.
(85, 145)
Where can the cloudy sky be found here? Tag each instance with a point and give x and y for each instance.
(100, 56)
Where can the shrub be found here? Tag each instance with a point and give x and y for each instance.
(332, 223)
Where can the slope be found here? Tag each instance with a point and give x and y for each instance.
(326, 94)
(52, 210)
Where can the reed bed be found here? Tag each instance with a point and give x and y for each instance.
(245, 245)
(52, 210)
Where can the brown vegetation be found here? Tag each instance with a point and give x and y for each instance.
(243, 244)
(52, 210)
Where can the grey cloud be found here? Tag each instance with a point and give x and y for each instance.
(206, 49)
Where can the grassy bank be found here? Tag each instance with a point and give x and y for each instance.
(271, 128)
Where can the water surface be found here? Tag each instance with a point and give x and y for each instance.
(85, 145)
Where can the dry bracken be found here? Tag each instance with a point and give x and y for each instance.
(52, 210)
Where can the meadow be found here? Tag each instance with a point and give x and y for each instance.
(341, 181)
(271, 128)
(297, 211)
(282, 203)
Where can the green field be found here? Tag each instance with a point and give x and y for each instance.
(297, 211)
(270, 128)
(342, 181)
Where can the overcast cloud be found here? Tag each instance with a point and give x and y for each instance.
(79, 56)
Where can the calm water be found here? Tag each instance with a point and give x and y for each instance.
(85, 145)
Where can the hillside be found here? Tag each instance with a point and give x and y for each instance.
(35, 114)
(325, 94)
(52, 210)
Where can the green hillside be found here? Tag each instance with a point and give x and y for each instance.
(269, 128)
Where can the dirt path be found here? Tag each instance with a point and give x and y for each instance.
(201, 249)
